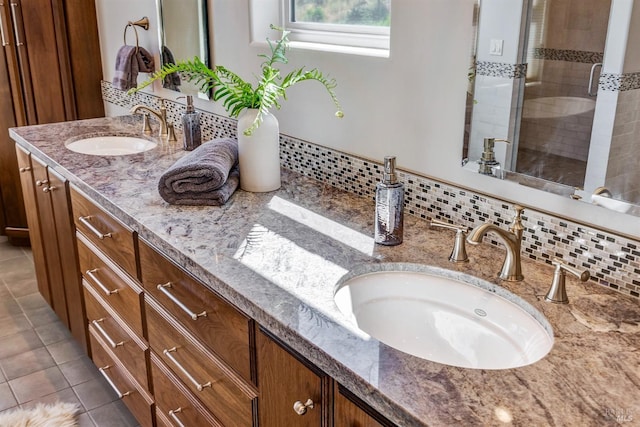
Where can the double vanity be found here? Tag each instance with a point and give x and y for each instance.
(246, 314)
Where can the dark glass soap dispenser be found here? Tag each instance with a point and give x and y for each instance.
(191, 133)
(389, 219)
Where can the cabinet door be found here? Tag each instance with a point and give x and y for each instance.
(292, 392)
(37, 249)
(350, 411)
(58, 189)
(49, 240)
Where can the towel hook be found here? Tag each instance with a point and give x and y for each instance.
(142, 23)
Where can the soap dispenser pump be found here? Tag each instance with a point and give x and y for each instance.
(389, 221)
(191, 133)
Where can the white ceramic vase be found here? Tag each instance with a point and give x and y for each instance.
(259, 154)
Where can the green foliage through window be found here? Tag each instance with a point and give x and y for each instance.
(350, 12)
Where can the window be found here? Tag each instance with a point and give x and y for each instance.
(355, 23)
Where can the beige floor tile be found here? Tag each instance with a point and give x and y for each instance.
(66, 395)
(13, 325)
(7, 400)
(8, 252)
(113, 414)
(19, 276)
(84, 420)
(65, 351)
(32, 302)
(79, 371)
(42, 316)
(38, 384)
(95, 393)
(53, 332)
(26, 363)
(19, 343)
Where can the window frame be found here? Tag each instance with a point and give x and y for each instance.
(371, 37)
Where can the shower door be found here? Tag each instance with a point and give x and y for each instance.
(566, 42)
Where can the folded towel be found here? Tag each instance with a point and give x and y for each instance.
(130, 61)
(197, 175)
(217, 197)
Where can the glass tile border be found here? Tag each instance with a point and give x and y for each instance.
(614, 261)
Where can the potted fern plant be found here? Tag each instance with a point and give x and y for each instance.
(258, 129)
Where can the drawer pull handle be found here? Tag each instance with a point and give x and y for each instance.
(103, 371)
(301, 408)
(85, 221)
(92, 276)
(167, 352)
(104, 334)
(173, 414)
(164, 290)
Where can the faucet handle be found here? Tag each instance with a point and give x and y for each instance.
(459, 252)
(172, 133)
(146, 124)
(557, 292)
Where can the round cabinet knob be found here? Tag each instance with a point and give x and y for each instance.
(25, 169)
(48, 189)
(40, 183)
(301, 408)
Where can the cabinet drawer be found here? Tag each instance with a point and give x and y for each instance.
(133, 395)
(131, 352)
(118, 290)
(114, 238)
(208, 317)
(224, 393)
(174, 401)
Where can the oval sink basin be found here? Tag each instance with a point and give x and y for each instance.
(445, 316)
(110, 145)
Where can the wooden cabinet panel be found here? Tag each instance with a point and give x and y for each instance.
(117, 289)
(350, 411)
(286, 384)
(130, 350)
(225, 394)
(58, 190)
(113, 238)
(225, 330)
(175, 401)
(139, 402)
(28, 185)
(49, 240)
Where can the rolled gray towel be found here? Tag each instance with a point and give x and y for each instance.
(203, 170)
(216, 197)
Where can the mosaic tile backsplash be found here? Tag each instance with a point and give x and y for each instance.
(614, 261)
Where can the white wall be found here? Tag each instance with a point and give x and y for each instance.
(410, 105)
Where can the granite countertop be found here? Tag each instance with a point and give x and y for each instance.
(278, 256)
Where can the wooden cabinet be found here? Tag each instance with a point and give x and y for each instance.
(293, 392)
(174, 350)
(113, 298)
(350, 411)
(203, 340)
(53, 242)
(50, 71)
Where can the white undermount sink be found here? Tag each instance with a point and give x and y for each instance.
(110, 145)
(445, 316)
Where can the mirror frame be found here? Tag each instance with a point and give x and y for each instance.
(204, 30)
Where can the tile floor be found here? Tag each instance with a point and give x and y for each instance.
(39, 360)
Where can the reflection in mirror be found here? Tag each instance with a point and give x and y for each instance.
(560, 81)
(183, 34)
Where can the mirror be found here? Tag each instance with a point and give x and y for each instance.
(552, 89)
(183, 34)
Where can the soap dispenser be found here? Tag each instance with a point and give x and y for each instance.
(191, 133)
(389, 206)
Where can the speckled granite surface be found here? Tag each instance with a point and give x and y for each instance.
(278, 256)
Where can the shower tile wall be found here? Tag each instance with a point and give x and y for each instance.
(623, 170)
(614, 260)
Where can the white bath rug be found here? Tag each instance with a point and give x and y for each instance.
(57, 415)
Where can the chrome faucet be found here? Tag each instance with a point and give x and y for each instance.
(160, 114)
(511, 268)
